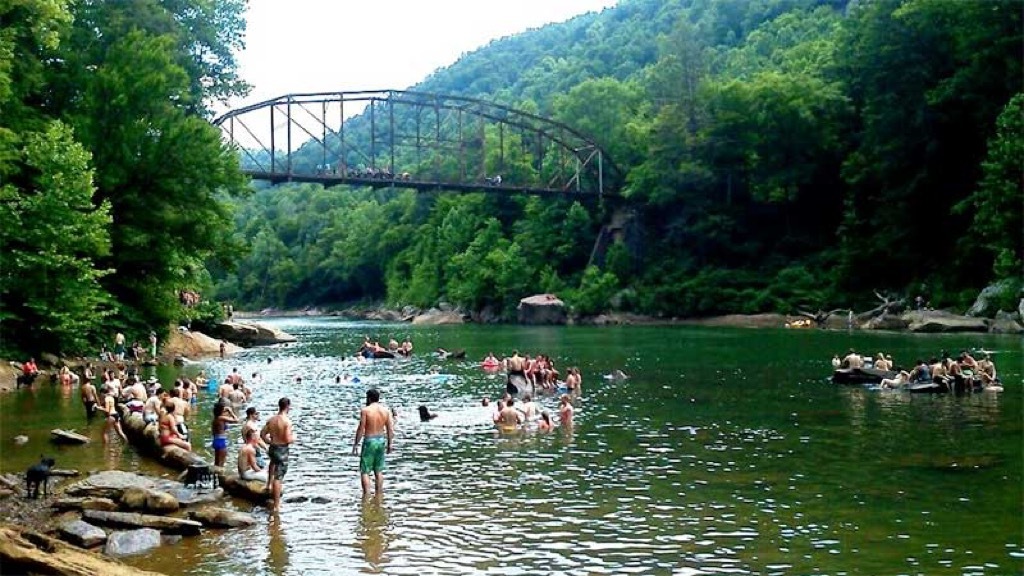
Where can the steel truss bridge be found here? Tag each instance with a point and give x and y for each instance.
(415, 140)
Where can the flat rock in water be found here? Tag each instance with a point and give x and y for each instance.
(81, 533)
(941, 321)
(135, 520)
(222, 518)
(67, 437)
(132, 542)
(192, 497)
(251, 334)
(112, 483)
(71, 503)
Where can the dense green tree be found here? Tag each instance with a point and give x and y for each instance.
(996, 205)
(53, 236)
(129, 89)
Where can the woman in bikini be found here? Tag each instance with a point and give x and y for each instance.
(169, 429)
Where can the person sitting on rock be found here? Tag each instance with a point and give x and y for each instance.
(248, 465)
(169, 429)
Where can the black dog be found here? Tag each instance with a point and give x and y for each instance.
(39, 475)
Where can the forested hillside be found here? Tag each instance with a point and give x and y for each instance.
(777, 153)
(780, 153)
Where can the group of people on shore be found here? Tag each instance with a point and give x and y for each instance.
(942, 369)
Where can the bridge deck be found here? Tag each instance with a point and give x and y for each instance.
(421, 185)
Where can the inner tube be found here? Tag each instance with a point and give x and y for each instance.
(383, 354)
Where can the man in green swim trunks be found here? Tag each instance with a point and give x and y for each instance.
(376, 430)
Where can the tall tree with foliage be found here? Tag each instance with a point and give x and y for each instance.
(133, 86)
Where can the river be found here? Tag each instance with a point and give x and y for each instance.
(727, 451)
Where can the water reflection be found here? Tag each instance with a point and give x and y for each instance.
(277, 547)
(374, 534)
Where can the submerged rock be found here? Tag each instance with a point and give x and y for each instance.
(135, 520)
(132, 542)
(222, 518)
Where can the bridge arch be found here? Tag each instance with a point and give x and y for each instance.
(418, 140)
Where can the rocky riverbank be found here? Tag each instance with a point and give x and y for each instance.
(545, 309)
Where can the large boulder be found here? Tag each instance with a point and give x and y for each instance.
(132, 542)
(436, 317)
(248, 334)
(942, 321)
(1005, 323)
(987, 303)
(81, 533)
(541, 309)
(149, 500)
(251, 490)
(192, 344)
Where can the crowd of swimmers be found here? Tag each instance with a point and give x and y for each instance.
(943, 369)
(510, 416)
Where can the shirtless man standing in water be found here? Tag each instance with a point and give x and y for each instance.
(278, 435)
(376, 430)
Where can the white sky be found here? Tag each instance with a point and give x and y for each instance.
(336, 45)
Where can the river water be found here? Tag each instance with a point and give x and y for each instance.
(727, 451)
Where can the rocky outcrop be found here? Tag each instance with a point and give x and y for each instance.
(987, 303)
(221, 518)
(436, 317)
(132, 542)
(24, 551)
(191, 344)
(941, 321)
(112, 484)
(164, 524)
(542, 309)
(1005, 323)
(248, 334)
(81, 533)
